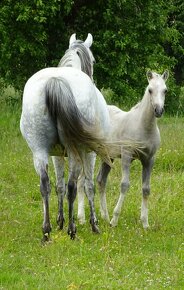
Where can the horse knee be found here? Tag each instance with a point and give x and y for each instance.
(124, 186)
(146, 191)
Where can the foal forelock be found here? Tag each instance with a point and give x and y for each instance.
(84, 54)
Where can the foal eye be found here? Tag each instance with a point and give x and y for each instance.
(150, 91)
(165, 91)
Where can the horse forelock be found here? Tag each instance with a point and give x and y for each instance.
(85, 55)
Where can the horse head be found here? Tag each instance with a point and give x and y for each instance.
(83, 52)
(156, 90)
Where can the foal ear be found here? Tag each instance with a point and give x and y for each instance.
(149, 75)
(89, 40)
(72, 39)
(165, 75)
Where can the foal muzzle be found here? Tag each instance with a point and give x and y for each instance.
(158, 112)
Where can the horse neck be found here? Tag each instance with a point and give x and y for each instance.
(146, 112)
(70, 59)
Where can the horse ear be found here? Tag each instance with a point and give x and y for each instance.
(149, 75)
(89, 40)
(72, 39)
(165, 75)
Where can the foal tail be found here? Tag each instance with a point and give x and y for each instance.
(77, 131)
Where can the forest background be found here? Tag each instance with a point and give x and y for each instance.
(130, 37)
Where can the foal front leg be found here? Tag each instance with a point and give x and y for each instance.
(126, 161)
(146, 174)
(81, 197)
(102, 181)
(58, 162)
(89, 164)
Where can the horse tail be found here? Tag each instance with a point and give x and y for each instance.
(77, 132)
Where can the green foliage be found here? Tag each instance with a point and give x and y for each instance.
(129, 38)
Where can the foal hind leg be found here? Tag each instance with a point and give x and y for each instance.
(41, 166)
(58, 162)
(146, 174)
(126, 161)
(74, 171)
(102, 181)
(89, 164)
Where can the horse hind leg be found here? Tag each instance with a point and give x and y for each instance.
(41, 165)
(58, 162)
(74, 171)
(102, 181)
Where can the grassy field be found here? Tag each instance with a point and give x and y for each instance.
(125, 257)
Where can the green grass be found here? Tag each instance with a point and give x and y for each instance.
(125, 257)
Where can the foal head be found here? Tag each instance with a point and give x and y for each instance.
(157, 90)
(79, 55)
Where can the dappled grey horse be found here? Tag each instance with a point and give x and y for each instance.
(139, 125)
(63, 113)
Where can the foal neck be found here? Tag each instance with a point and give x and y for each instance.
(147, 111)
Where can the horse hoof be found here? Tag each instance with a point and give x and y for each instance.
(72, 231)
(60, 223)
(45, 239)
(95, 229)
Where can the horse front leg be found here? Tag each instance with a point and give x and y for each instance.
(126, 161)
(60, 187)
(146, 174)
(102, 181)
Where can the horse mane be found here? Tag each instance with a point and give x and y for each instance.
(136, 106)
(81, 50)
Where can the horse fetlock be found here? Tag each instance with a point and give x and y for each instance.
(146, 191)
(104, 215)
(94, 223)
(81, 219)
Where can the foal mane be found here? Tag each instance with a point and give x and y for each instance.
(82, 51)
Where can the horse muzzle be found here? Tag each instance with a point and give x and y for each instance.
(158, 112)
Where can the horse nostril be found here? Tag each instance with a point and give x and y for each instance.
(158, 112)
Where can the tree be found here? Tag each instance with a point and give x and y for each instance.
(129, 38)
